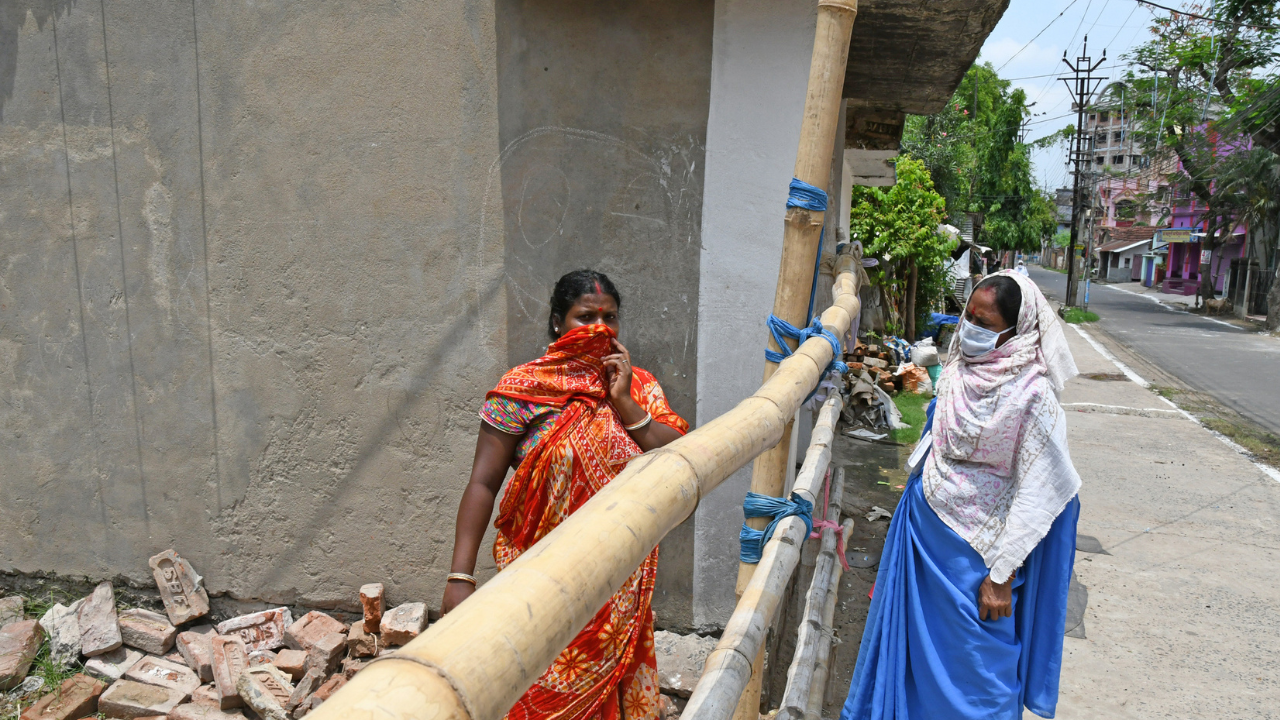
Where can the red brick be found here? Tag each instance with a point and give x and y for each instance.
(197, 711)
(229, 660)
(147, 631)
(305, 687)
(403, 623)
(112, 666)
(77, 697)
(266, 689)
(292, 662)
(259, 631)
(374, 600)
(331, 686)
(181, 589)
(197, 650)
(129, 700)
(99, 630)
(361, 643)
(19, 643)
(308, 629)
(206, 695)
(158, 671)
(326, 653)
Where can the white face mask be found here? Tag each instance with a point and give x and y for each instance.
(976, 341)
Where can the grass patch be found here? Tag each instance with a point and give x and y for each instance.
(913, 408)
(1164, 391)
(1076, 315)
(54, 673)
(1261, 443)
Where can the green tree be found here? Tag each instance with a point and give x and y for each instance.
(899, 225)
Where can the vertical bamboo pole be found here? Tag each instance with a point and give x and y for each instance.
(801, 232)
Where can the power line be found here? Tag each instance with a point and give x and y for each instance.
(1042, 30)
(1203, 17)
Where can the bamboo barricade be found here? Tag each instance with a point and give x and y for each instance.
(815, 629)
(479, 659)
(728, 669)
(802, 233)
(822, 665)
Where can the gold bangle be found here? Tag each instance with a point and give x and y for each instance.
(648, 417)
(461, 576)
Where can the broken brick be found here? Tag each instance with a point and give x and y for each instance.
(304, 688)
(19, 643)
(129, 700)
(292, 662)
(196, 649)
(266, 689)
(77, 697)
(149, 632)
(158, 671)
(361, 643)
(326, 653)
(229, 660)
(181, 589)
(62, 626)
(99, 630)
(11, 610)
(113, 665)
(206, 695)
(309, 628)
(262, 657)
(374, 601)
(351, 666)
(403, 623)
(197, 711)
(259, 631)
(330, 686)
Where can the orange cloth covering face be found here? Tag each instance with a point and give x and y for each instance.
(609, 668)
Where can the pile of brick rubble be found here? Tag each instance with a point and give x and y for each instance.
(142, 664)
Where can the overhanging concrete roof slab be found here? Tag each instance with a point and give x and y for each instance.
(909, 55)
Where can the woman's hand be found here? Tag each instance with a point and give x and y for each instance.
(617, 368)
(995, 601)
(454, 593)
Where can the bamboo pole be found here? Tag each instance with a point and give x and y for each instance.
(795, 699)
(802, 231)
(821, 667)
(479, 659)
(728, 670)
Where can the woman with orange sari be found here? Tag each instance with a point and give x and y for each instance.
(568, 423)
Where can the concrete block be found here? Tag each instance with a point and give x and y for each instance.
(158, 671)
(196, 649)
(309, 628)
(112, 666)
(77, 697)
(99, 629)
(259, 631)
(61, 625)
(292, 662)
(198, 711)
(680, 660)
(305, 687)
(361, 643)
(19, 643)
(327, 652)
(230, 659)
(403, 623)
(206, 695)
(129, 700)
(149, 632)
(181, 589)
(374, 601)
(267, 690)
(11, 610)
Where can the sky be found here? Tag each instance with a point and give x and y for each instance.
(1018, 55)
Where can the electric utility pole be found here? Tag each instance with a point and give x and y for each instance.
(1082, 84)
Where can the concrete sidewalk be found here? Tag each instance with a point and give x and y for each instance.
(1183, 619)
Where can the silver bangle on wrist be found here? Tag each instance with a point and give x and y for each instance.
(648, 418)
(463, 577)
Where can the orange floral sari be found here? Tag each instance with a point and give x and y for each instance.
(609, 669)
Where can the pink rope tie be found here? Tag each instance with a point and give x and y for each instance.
(818, 525)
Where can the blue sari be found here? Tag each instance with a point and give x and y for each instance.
(925, 655)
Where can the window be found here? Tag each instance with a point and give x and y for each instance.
(1127, 261)
(1104, 117)
(1100, 140)
(1100, 159)
(1092, 117)
(1117, 137)
(1117, 160)
(1140, 161)
(1162, 192)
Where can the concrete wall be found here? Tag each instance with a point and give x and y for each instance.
(248, 304)
(760, 67)
(602, 113)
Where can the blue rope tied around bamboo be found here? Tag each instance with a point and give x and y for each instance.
(756, 505)
(810, 197)
(781, 329)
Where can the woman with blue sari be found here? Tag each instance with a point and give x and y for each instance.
(969, 606)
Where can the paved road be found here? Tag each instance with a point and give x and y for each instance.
(1238, 367)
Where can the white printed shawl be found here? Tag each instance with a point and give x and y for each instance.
(999, 472)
